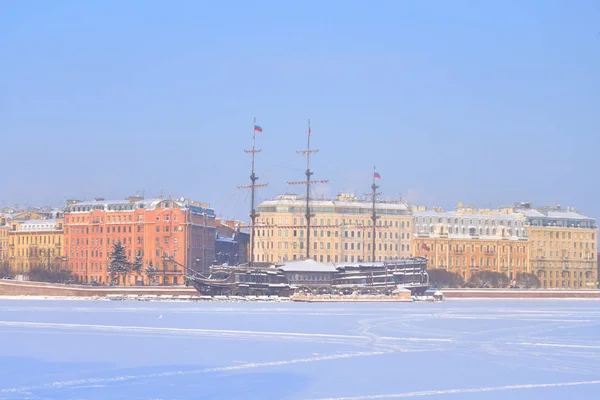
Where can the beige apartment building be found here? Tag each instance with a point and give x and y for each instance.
(468, 240)
(341, 230)
(563, 246)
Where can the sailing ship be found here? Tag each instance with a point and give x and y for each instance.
(256, 278)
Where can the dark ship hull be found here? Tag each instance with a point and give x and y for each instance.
(383, 277)
(242, 281)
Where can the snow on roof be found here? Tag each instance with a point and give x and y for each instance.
(127, 205)
(307, 266)
(530, 213)
(454, 214)
(551, 213)
(299, 201)
(568, 215)
(221, 238)
(38, 225)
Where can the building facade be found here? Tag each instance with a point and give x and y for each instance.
(341, 230)
(170, 235)
(4, 228)
(468, 240)
(231, 243)
(35, 243)
(563, 246)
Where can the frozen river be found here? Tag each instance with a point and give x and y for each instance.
(461, 349)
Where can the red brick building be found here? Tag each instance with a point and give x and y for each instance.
(169, 234)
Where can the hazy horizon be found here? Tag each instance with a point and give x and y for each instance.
(489, 104)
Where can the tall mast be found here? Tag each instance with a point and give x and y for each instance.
(253, 186)
(374, 216)
(308, 183)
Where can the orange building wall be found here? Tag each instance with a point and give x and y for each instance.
(166, 230)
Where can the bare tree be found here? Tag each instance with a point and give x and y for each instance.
(527, 280)
(488, 279)
(444, 279)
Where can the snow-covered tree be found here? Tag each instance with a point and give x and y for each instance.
(137, 265)
(150, 271)
(119, 264)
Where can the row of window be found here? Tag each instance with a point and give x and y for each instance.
(322, 258)
(336, 222)
(117, 218)
(468, 221)
(564, 235)
(564, 223)
(566, 244)
(36, 239)
(567, 255)
(565, 284)
(309, 277)
(461, 248)
(472, 231)
(487, 262)
(565, 274)
(327, 233)
(36, 252)
(103, 279)
(336, 246)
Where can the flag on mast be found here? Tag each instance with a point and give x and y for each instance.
(376, 174)
(257, 128)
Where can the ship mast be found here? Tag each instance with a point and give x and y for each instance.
(374, 218)
(308, 183)
(253, 186)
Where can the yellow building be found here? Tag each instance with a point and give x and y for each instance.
(563, 247)
(4, 227)
(35, 242)
(469, 240)
(341, 230)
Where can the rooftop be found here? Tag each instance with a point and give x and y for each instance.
(136, 203)
(343, 200)
(36, 225)
(553, 212)
(457, 214)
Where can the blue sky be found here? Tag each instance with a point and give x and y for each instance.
(481, 102)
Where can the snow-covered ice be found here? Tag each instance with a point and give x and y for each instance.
(465, 349)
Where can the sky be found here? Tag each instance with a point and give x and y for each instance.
(484, 102)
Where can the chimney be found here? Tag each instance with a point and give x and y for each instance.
(133, 199)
